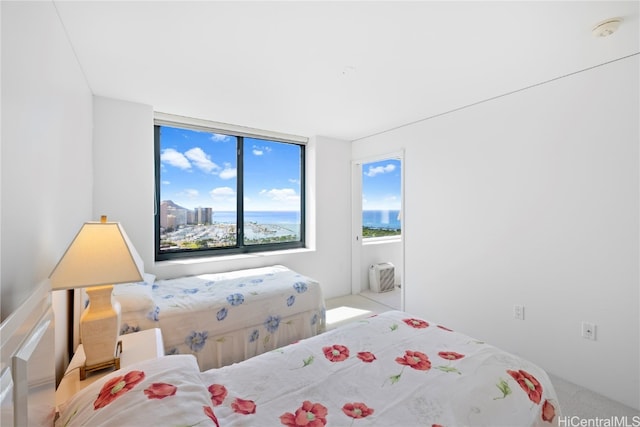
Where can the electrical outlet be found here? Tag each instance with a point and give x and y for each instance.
(518, 312)
(589, 331)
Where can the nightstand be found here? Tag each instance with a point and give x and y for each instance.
(136, 347)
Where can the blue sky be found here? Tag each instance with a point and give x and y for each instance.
(199, 169)
(381, 184)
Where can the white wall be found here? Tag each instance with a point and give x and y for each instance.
(124, 169)
(377, 252)
(46, 154)
(124, 190)
(532, 199)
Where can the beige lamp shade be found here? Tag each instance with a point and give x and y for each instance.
(100, 254)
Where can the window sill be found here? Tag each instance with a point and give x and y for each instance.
(227, 258)
(381, 240)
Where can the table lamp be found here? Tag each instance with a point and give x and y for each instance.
(100, 256)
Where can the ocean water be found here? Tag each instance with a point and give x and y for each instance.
(389, 219)
(260, 217)
(374, 219)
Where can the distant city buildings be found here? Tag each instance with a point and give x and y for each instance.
(185, 229)
(173, 216)
(203, 216)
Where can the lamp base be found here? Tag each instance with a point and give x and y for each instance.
(115, 363)
(99, 327)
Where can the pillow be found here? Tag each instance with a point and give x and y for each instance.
(135, 296)
(157, 392)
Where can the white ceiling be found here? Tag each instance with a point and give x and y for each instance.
(339, 69)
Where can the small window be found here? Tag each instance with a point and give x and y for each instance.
(381, 198)
(221, 193)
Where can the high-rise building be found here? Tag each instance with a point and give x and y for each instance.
(170, 221)
(172, 215)
(203, 216)
(180, 215)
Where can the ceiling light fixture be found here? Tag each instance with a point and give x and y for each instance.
(606, 27)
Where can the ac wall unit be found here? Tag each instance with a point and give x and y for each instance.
(381, 277)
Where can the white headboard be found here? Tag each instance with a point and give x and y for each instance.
(27, 367)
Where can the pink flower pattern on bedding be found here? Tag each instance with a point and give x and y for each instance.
(357, 410)
(450, 355)
(312, 412)
(243, 406)
(209, 413)
(548, 411)
(528, 383)
(416, 323)
(116, 387)
(154, 392)
(415, 360)
(336, 353)
(160, 390)
(218, 393)
(341, 390)
(307, 415)
(366, 356)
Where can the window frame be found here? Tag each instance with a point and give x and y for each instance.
(240, 133)
(392, 237)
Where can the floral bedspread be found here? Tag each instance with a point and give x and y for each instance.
(390, 370)
(224, 318)
(162, 392)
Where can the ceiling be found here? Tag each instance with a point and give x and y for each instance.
(345, 69)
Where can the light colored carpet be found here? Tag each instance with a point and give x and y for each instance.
(576, 401)
(391, 299)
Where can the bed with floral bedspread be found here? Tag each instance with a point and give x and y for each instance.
(223, 318)
(394, 369)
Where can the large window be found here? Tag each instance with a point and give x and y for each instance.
(381, 198)
(221, 193)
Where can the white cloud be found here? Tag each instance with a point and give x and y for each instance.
(191, 193)
(166, 182)
(373, 171)
(175, 158)
(201, 159)
(223, 198)
(222, 193)
(228, 172)
(294, 181)
(282, 195)
(259, 151)
(218, 137)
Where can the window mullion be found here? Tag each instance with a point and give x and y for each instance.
(240, 192)
(303, 184)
